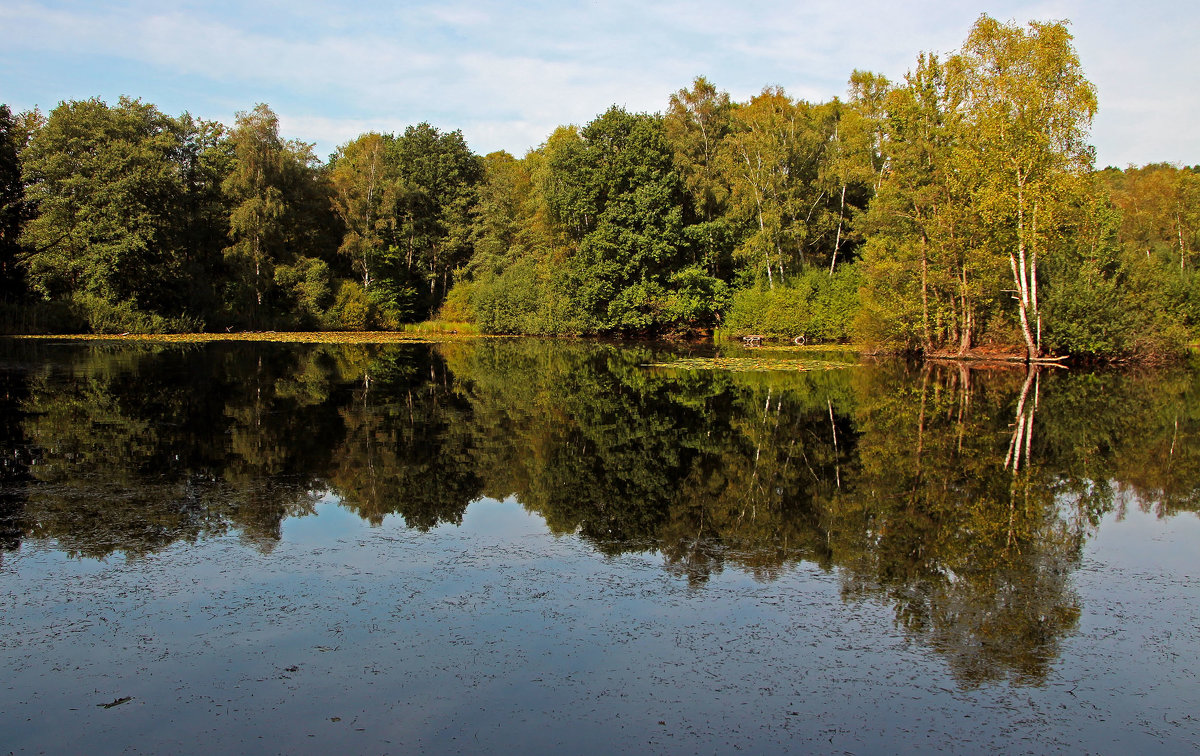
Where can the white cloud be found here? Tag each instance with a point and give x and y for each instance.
(507, 74)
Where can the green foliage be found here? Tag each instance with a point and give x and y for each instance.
(1115, 311)
(697, 122)
(1160, 221)
(395, 302)
(353, 309)
(695, 301)
(124, 197)
(1183, 297)
(891, 316)
(1027, 111)
(306, 292)
(525, 298)
(14, 210)
(897, 217)
(816, 307)
(434, 194)
(989, 194)
(105, 316)
(280, 211)
(633, 245)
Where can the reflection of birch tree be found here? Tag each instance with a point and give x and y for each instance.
(1022, 435)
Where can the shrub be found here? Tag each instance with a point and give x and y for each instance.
(815, 306)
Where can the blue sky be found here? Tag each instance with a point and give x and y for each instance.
(508, 73)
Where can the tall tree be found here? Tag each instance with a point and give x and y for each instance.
(631, 203)
(256, 224)
(437, 174)
(697, 120)
(772, 160)
(854, 165)
(1027, 110)
(924, 276)
(362, 181)
(125, 197)
(14, 210)
(280, 209)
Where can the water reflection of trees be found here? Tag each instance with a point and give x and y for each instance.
(960, 497)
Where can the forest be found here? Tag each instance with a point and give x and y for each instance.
(957, 212)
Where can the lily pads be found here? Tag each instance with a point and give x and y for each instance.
(752, 364)
(312, 337)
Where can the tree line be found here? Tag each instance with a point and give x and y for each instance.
(954, 212)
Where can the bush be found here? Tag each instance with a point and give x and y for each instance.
(103, 316)
(1114, 311)
(696, 300)
(353, 309)
(306, 290)
(815, 306)
(527, 298)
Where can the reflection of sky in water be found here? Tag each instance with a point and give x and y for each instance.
(1134, 539)
(330, 522)
(730, 576)
(496, 634)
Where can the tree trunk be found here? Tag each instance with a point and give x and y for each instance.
(838, 240)
(1020, 271)
(1033, 283)
(928, 346)
(966, 335)
(762, 227)
(1022, 438)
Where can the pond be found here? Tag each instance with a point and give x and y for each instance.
(583, 547)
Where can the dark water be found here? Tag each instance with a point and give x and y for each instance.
(509, 545)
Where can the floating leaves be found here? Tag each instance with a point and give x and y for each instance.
(805, 348)
(312, 337)
(752, 364)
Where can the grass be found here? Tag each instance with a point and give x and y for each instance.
(443, 327)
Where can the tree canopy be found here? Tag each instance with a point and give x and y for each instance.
(953, 212)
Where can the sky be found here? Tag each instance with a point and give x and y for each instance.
(508, 73)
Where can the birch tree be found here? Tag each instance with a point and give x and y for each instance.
(1027, 109)
(697, 120)
(255, 186)
(361, 181)
(772, 160)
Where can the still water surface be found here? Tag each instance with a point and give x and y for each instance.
(552, 547)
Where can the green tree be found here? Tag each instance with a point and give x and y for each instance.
(436, 177)
(125, 199)
(697, 121)
(928, 283)
(1160, 224)
(14, 210)
(362, 181)
(853, 167)
(517, 278)
(1027, 109)
(280, 211)
(631, 207)
(772, 159)
(255, 186)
